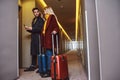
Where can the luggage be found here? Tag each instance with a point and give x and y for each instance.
(59, 65)
(42, 65)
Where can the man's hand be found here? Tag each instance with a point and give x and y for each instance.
(28, 28)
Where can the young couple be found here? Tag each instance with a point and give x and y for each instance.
(46, 26)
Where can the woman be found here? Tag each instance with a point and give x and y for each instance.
(50, 27)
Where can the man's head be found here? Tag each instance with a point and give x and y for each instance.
(36, 12)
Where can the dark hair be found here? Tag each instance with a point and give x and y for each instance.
(35, 9)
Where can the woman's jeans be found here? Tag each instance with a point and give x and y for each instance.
(48, 55)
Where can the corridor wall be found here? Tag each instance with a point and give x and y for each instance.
(108, 22)
(91, 40)
(8, 39)
(102, 31)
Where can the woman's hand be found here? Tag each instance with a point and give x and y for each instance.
(54, 32)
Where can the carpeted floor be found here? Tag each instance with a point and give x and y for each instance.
(76, 71)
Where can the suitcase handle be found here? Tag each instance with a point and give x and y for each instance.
(41, 49)
(53, 44)
(39, 45)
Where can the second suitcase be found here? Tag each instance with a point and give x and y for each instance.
(42, 65)
(59, 65)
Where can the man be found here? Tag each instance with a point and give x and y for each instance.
(35, 30)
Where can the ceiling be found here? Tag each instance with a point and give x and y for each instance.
(65, 12)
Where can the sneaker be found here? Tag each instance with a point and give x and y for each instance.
(45, 75)
(37, 71)
(48, 74)
(31, 68)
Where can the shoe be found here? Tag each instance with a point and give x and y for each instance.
(45, 75)
(31, 68)
(48, 74)
(37, 71)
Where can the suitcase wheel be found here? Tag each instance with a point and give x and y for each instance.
(67, 78)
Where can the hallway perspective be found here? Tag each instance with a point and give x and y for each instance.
(76, 70)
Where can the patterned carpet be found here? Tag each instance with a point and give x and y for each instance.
(76, 71)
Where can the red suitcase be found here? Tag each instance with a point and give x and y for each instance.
(59, 65)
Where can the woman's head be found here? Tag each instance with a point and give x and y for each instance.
(48, 10)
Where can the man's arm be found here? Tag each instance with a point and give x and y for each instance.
(37, 28)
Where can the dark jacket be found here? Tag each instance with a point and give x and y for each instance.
(50, 26)
(35, 33)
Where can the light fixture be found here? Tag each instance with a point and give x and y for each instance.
(42, 4)
(77, 18)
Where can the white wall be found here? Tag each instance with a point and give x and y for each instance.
(91, 40)
(8, 39)
(108, 18)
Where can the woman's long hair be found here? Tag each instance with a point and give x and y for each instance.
(49, 10)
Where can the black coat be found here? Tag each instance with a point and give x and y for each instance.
(37, 25)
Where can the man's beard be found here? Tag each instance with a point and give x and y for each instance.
(37, 16)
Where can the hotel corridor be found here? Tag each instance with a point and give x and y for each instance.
(76, 70)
